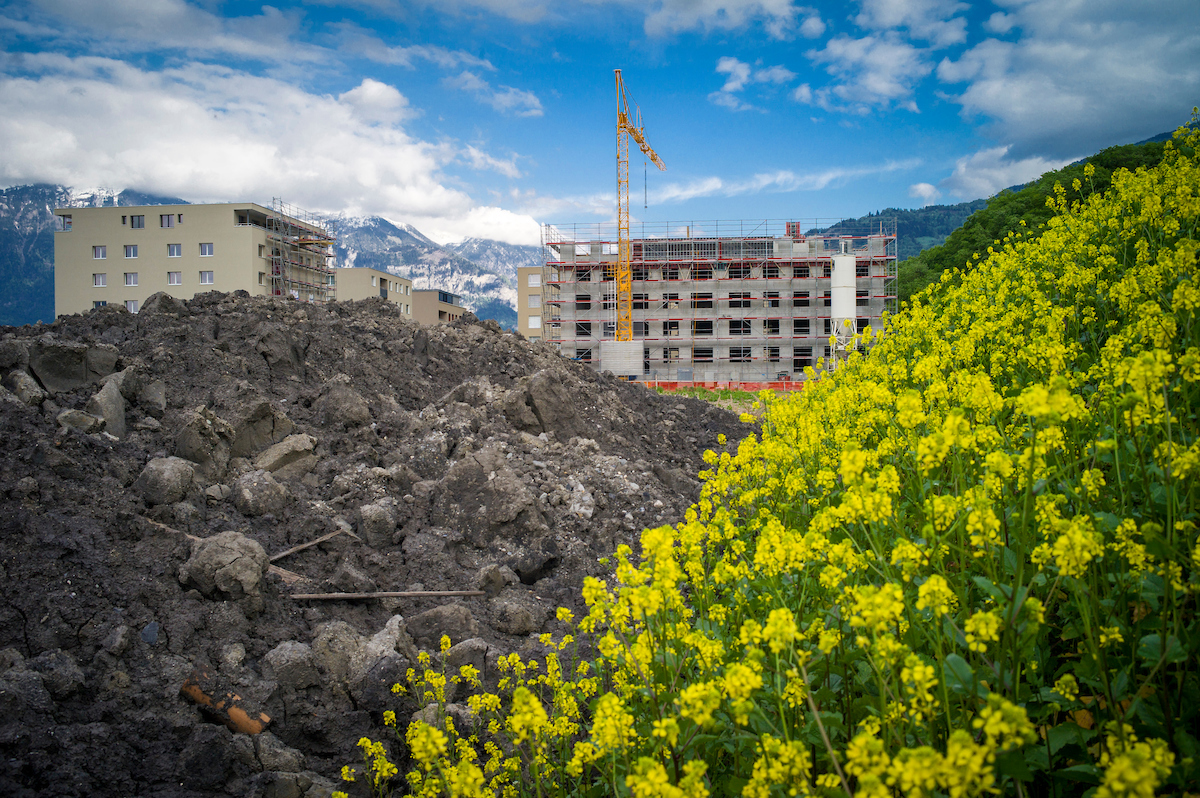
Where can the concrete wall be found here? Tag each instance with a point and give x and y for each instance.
(239, 257)
(429, 309)
(363, 283)
(529, 302)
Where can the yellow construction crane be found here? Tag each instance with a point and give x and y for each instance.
(628, 125)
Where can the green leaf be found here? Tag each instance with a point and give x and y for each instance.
(1088, 774)
(1012, 763)
(1065, 734)
(1151, 649)
(958, 674)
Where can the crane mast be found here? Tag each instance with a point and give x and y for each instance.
(629, 125)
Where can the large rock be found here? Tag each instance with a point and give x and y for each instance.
(77, 419)
(257, 424)
(205, 439)
(61, 676)
(207, 757)
(257, 493)
(165, 480)
(342, 406)
(23, 694)
(283, 349)
(13, 354)
(129, 382)
(541, 403)
(347, 658)
(109, 404)
(291, 665)
(228, 565)
(291, 458)
(274, 755)
(24, 387)
(66, 365)
(152, 398)
(454, 620)
(163, 303)
(517, 612)
(376, 524)
(483, 497)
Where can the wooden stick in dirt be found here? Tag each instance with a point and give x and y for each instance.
(399, 594)
(311, 543)
(288, 577)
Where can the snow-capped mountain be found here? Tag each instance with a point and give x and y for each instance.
(497, 256)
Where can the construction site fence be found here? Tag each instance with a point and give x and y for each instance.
(749, 387)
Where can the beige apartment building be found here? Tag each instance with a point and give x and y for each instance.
(122, 255)
(433, 306)
(363, 283)
(529, 302)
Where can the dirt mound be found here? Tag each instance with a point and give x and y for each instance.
(154, 464)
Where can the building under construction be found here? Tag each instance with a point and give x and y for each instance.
(302, 253)
(717, 302)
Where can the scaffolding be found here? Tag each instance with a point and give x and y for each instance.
(303, 257)
(718, 302)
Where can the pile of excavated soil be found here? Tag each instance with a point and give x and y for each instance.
(155, 463)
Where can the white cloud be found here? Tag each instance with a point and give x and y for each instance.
(359, 42)
(478, 159)
(802, 94)
(778, 17)
(211, 133)
(988, 171)
(779, 181)
(999, 23)
(928, 20)
(740, 74)
(506, 99)
(925, 192)
(812, 27)
(1081, 77)
(873, 70)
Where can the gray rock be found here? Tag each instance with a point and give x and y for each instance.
(22, 694)
(61, 676)
(287, 785)
(60, 366)
(128, 380)
(257, 493)
(165, 480)
(257, 424)
(226, 565)
(274, 755)
(494, 578)
(454, 620)
(205, 439)
(77, 419)
(152, 398)
(215, 494)
(348, 579)
(109, 404)
(464, 719)
(11, 658)
(347, 657)
(376, 525)
(117, 641)
(24, 387)
(163, 303)
(13, 354)
(291, 458)
(207, 757)
(469, 652)
(283, 348)
(483, 497)
(342, 406)
(291, 664)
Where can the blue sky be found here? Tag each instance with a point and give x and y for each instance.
(486, 117)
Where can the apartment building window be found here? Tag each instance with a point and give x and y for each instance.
(608, 249)
(583, 329)
(262, 249)
(100, 279)
(771, 271)
(535, 281)
(206, 278)
(206, 250)
(827, 299)
(99, 253)
(826, 269)
(828, 327)
(772, 354)
(801, 357)
(828, 352)
(137, 223)
(535, 322)
(739, 326)
(862, 269)
(535, 300)
(583, 275)
(583, 301)
(608, 329)
(641, 329)
(739, 271)
(739, 354)
(800, 271)
(702, 300)
(771, 327)
(131, 278)
(670, 273)
(99, 303)
(801, 327)
(861, 324)
(800, 299)
(64, 223)
(701, 272)
(739, 299)
(131, 250)
(641, 301)
(174, 250)
(583, 354)
(702, 327)
(374, 281)
(174, 278)
(641, 273)
(670, 354)
(861, 299)
(262, 278)
(670, 301)
(771, 299)
(166, 220)
(670, 328)
(131, 305)
(702, 354)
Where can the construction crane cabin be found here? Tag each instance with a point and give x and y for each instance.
(623, 355)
